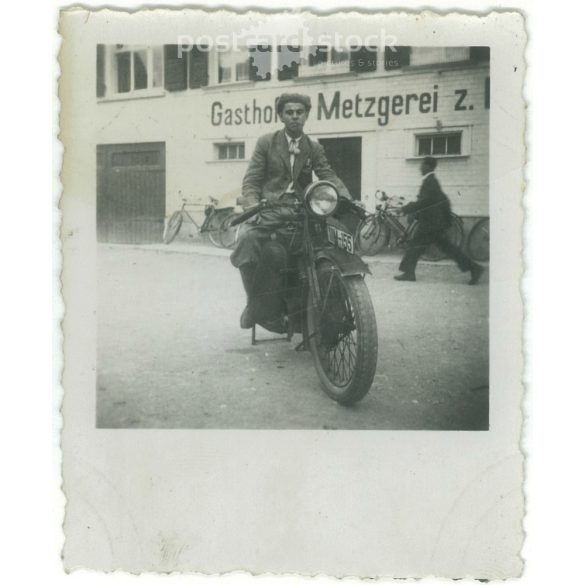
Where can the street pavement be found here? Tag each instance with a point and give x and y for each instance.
(171, 353)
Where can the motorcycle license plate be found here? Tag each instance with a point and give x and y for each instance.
(340, 239)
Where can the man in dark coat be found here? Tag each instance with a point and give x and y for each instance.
(433, 212)
(281, 167)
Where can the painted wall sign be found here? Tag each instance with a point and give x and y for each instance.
(338, 107)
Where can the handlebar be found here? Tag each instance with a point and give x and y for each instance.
(246, 215)
(262, 205)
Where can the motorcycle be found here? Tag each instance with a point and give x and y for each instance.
(311, 281)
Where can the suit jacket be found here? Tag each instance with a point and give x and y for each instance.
(269, 173)
(432, 207)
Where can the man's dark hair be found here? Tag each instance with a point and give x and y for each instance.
(298, 98)
(430, 162)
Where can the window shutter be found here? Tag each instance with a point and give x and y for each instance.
(479, 53)
(486, 95)
(396, 57)
(100, 71)
(363, 59)
(199, 67)
(175, 69)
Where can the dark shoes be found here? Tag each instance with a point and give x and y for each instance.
(476, 272)
(408, 276)
(246, 319)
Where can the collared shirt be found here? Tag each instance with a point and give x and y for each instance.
(428, 174)
(297, 142)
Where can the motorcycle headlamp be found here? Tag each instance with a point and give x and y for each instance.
(322, 198)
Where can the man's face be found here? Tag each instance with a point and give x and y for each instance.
(425, 168)
(294, 116)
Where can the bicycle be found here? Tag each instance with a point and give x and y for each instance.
(478, 242)
(211, 225)
(378, 229)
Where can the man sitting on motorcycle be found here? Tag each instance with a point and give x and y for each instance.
(281, 167)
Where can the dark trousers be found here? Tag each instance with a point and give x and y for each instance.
(421, 241)
(260, 280)
(255, 234)
(249, 245)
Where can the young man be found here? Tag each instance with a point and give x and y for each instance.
(281, 167)
(433, 212)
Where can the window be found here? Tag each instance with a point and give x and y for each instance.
(230, 151)
(233, 66)
(136, 69)
(260, 62)
(324, 60)
(437, 55)
(289, 59)
(439, 144)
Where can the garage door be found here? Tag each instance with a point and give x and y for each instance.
(130, 193)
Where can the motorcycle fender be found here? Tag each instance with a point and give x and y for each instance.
(348, 264)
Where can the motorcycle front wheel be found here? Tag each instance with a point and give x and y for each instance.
(342, 335)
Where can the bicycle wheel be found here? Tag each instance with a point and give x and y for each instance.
(478, 242)
(372, 235)
(213, 228)
(228, 235)
(173, 227)
(454, 233)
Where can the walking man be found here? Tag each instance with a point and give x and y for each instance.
(433, 211)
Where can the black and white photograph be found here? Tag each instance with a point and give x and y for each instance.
(292, 236)
(278, 275)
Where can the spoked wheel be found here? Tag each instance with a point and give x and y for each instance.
(454, 233)
(213, 229)
(478, 243)
(228, 235)
(173, 227)
(342, 335)
(372, 235)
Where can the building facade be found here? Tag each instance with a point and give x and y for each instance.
(177, 122)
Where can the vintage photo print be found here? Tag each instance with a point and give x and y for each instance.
(286, 322)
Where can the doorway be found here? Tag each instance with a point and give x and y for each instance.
(130, 193)
(345, 157)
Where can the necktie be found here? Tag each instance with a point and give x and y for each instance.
(294, 150)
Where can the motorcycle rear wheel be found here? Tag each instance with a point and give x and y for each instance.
(343, 337)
